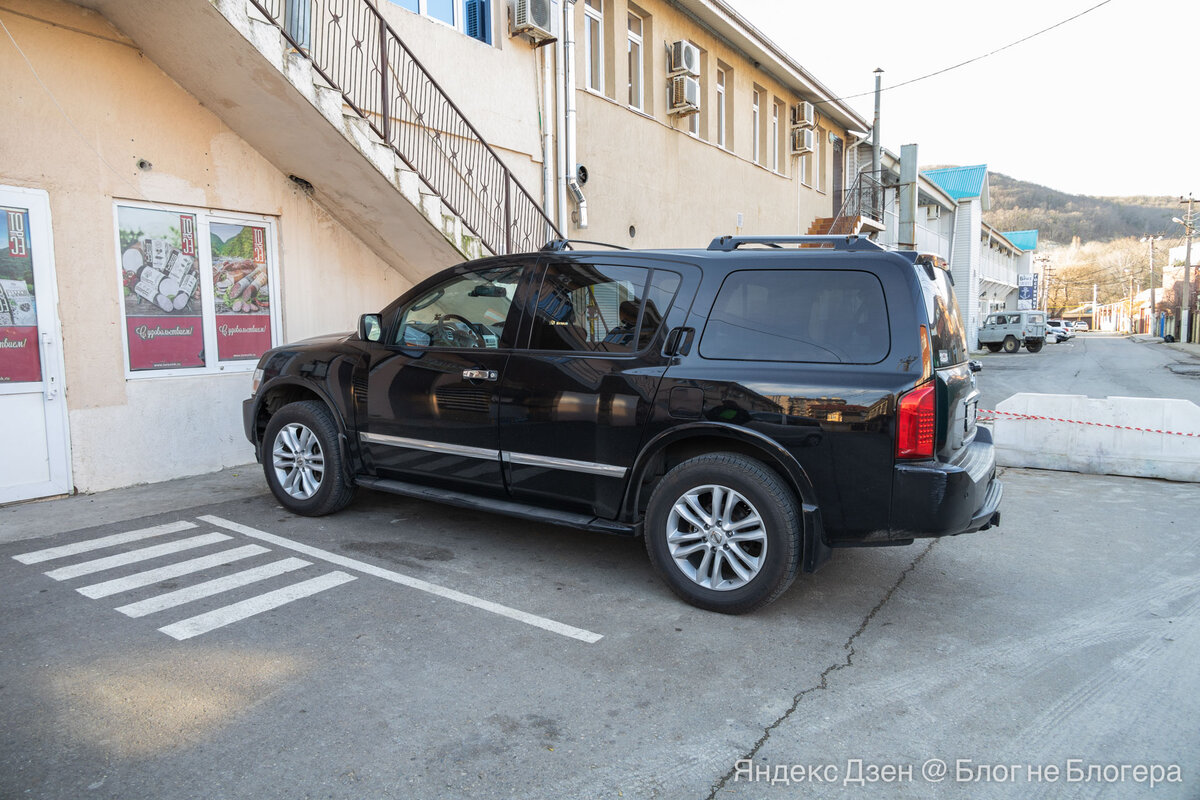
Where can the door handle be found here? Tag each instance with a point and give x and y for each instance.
(51, 386)
(480, 374)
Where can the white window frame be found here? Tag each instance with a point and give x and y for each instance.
(774, 142)
(757, 107)
(208, 317)
(721, 78)
(635, 40)
(460, 15)
(593, 16)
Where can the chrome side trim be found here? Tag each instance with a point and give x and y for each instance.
(432, 447)
(590, 467)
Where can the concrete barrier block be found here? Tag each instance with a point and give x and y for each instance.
(1097, 435)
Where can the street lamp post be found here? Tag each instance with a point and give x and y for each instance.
(1185, 306)
(1153, 305)
(1129, 316)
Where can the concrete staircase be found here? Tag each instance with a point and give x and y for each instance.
(237, 63)
(835, 226)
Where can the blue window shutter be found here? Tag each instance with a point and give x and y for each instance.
(478, 16)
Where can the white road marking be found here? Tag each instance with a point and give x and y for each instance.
(404, 580)
(152, 576)
(217, 618)
(208, 588)
(39, 556)
(134, 556)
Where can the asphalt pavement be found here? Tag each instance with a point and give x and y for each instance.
(191, 639)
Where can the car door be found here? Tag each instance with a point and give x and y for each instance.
(433, 384)
(576, 400)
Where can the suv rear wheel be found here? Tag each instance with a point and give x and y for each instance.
(303, 462)
(723, 531)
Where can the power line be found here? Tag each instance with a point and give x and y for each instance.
(971, 60)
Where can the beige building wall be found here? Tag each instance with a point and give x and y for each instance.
(119, 108)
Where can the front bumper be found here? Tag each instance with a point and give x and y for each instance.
(930, 498)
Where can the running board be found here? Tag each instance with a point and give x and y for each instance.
(567, 519)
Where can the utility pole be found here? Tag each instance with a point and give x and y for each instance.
(1153, 305)
(1187, 275)
(876, 160)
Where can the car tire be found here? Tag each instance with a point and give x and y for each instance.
(736, 560)
(1033, 347)
(994, 347)
(1011, 345)
(303, 461)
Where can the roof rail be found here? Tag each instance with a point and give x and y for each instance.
(556, 245)
(730, 243)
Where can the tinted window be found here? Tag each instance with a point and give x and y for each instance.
(600, 308)
(465, 311)
(823, 316)
(946, 335)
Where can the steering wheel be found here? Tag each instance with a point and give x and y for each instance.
(452, 333)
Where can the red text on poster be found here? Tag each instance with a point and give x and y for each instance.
(19, 359)
(162, 342)
(243, 336)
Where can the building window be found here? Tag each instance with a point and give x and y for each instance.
(197, 289)
(757, 106)
(472, 17)
(636, 73)
(593, 44)
(721, 107)
(818, 172)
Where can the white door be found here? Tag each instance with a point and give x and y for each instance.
(35, 451)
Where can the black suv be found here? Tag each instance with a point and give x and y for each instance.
(745, 408)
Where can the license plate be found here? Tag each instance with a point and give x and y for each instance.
(972, 414)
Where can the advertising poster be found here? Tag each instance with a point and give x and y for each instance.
(1027, 291)
(20, 361)
(241, 290)
(160, 275)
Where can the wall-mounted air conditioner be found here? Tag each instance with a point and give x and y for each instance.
(804, 115)
(685, 95)
(532, 18)
(685, 59)
(933, 212)
(803, 140)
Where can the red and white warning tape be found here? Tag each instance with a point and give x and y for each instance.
(986, 414)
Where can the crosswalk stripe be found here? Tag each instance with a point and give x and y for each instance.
(39, 556)
(153, 576)
(208, 588)
(134, 556)
(203, 623)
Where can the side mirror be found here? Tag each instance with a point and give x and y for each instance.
(976, 366)
(370, 328)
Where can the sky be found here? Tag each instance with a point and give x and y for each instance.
(1107, 104)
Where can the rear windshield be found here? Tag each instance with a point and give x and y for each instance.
(946, 334)
(817, 316)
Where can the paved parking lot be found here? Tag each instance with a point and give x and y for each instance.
(404, 649)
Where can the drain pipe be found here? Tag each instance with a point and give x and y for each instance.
(547, 140)
(560, 137)
(570, 167)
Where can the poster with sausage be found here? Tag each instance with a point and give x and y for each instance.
(241, 290)
(20, 361)
(164, 322)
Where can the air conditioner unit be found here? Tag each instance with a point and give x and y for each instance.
(685, 59)
(685, 95)
(802, 141)
(933, 212)
(532, 18)
(804, 115)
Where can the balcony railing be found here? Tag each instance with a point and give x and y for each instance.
(353, 49)
(864, 198)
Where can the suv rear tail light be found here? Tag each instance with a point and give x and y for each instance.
(916, 423)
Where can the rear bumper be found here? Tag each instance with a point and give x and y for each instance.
(934, 499)
(249, 412)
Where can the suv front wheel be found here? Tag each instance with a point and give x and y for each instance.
(723, 531)
(303, 462)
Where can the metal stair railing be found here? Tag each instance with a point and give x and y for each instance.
(864, 198)
(352, 47)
